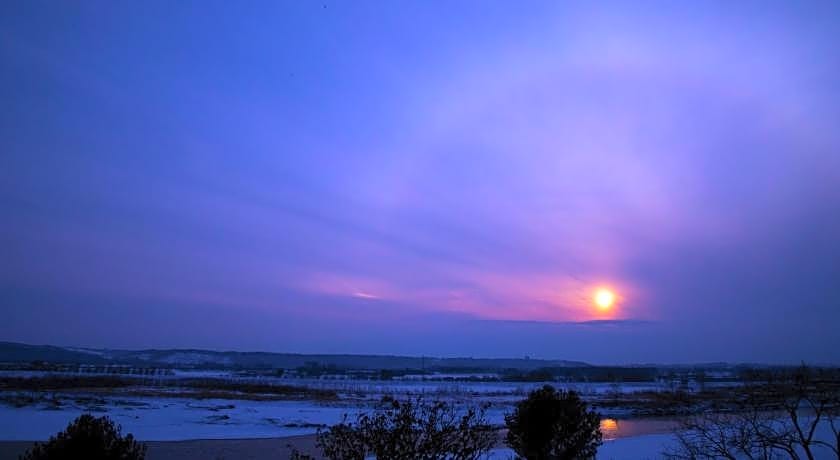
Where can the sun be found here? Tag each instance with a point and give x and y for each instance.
(604, 299)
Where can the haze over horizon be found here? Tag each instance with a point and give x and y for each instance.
(634, 184)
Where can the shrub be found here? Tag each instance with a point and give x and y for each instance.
(553, 424)
(89, 438)
(411, 429)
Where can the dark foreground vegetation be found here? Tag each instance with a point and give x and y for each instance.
(552, 424)
(777, 418)
(411, 429)
(88, 438)
(793, 414)
(548, 424)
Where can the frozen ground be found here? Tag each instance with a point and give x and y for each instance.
(168, 419)
(173, 419)
(178, 418)
(648, 447)
(429, 385)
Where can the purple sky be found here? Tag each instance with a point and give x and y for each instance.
(438, 178)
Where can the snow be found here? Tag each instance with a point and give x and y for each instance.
(174, 419)
(152, 419)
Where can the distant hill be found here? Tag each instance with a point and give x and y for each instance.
(23, 353)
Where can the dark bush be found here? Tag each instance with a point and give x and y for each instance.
(553, 424)
(88, 438)
(411, 430)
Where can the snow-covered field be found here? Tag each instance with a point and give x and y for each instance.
(518, 390)
(438, 384)
(155, 419)
(159, 418)
(170, 419)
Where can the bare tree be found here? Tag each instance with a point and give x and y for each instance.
(411, 429)
(775, 419)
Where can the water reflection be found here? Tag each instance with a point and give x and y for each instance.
(624, 428)
(609, 428)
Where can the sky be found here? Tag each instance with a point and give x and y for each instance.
(424, 178)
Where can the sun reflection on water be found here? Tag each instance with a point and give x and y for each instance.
(609, 428)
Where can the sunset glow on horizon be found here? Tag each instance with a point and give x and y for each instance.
(419, 177)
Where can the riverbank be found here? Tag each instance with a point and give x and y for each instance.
(647, 434)
(630, 448)
(201, 449)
